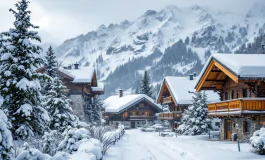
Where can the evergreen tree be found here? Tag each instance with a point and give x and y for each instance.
(194, 119)
(6, 140)
(89, 112)
(137, 90)
(58, 105)
(187, 40)
(97, 110)
(145, 85)
(50, 63)
(50, 73)
(19, 82)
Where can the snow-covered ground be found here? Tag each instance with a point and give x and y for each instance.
(137, 145)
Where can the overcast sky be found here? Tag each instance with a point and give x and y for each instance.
(63, 19)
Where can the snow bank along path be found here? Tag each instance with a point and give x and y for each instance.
(137, 145)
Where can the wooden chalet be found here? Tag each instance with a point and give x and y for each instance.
(130, 110)
(240, 81)
(82, 86)
(176, 95)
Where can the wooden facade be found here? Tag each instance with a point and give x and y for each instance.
(242, 99)
(134, 115)
(166, 98)
(82, 89)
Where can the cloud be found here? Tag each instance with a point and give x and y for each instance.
(63, 19)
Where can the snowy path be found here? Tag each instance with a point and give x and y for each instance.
(137, 145)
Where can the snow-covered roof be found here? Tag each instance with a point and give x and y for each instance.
(80, 75)
(181, 86)
(116, 104)
(243, 65)
(99, 88)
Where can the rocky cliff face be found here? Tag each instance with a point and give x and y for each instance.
(173, 41)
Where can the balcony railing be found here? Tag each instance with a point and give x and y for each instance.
(167, 99)
(170, 115)
(237, 106)
(143, 117)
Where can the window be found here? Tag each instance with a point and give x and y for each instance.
(245, 126)
(227, 95)
(147, 113)
(246, 93)
(140, 113)
(125, 114)
(133, 113)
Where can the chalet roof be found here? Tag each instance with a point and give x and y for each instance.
(116, 104)
(80, 75)
(180, 88)
(241, 66)
(99, 88)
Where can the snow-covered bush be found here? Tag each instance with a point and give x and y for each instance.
(6, 140)
(257, 141)
(104, 134)
(194, 119)
(91, 146)
(61, 156)
(32, 154)
(50, 142)
(71, 139)
(82, 156)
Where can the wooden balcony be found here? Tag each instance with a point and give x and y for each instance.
(143, 117)
(167, 100)
(242, 106)
(170, 115)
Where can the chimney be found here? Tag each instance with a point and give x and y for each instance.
(121, 93)
(76, 65)
(70, 66)
(191, 76)
(194, 74)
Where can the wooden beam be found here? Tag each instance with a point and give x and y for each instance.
(205, 76)
(223, 81)
(227, 72)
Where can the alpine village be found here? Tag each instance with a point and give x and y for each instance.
(71, 103)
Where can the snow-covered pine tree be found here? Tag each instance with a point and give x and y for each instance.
(145, 87)
(97, 110)
(194, 119)
(19, 81)
(58, 105)
(6, 140)
(50, 72)
(50, 63)
(88, 109)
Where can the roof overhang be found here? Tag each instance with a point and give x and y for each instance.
(214, 75)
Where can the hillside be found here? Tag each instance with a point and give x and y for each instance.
(173, 41)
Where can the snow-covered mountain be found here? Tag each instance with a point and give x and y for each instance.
(173, 41)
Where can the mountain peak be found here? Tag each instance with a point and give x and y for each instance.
(150, 13)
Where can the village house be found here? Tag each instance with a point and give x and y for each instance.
(130, 110)
(240, 81)
(175, 95)
(82, 86)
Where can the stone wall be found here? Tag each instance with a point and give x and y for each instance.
(77, 106)
(253, 126)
